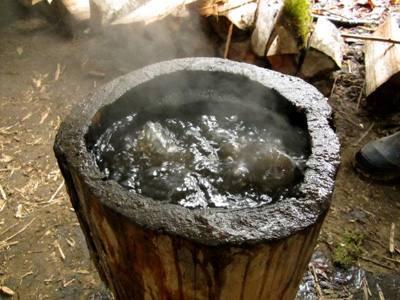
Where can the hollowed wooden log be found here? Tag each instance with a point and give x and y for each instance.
(147, 250)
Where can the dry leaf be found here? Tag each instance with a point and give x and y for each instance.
(7, 291)
(366, 3)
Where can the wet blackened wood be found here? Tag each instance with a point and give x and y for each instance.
(382, 64)
(137, 263)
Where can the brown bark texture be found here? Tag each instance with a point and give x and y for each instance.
(137, 263)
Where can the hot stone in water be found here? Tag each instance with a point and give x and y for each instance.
(204, 153)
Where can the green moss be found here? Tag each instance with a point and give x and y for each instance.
(297, 15)
(347, 250)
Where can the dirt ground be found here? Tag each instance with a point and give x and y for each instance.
(44, 72)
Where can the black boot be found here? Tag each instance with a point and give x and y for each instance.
(380, 159)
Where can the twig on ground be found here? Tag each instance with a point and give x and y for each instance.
(228, 41)
(60, 250)
(370, 38)
(317, 286)
(367, 291)
(9, 228)
(56, 192)
(26, 274)
(376, 263)
(380, 293)
(5, 244)
(364, 134)
(18, 232)
(333, 85)
(360, 96)
(347, 118)
(68, 283)
(346, 23)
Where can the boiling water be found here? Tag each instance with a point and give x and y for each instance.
(205, 154)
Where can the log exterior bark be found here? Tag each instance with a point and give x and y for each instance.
(138, 263)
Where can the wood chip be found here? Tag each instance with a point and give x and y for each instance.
(3, 194)
(37, 83)
(60, 250)
(56, 192)
(6, 158)
(18, 214)
(45, 115)
(2, 204)
(391, 239)
(71, 242)
(58, 72)
(7, 291)
(69, 282)
(20, 50)
(97, 74)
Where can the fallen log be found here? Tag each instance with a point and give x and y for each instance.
(382, 65)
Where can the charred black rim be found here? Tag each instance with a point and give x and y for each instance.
(211, 226)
